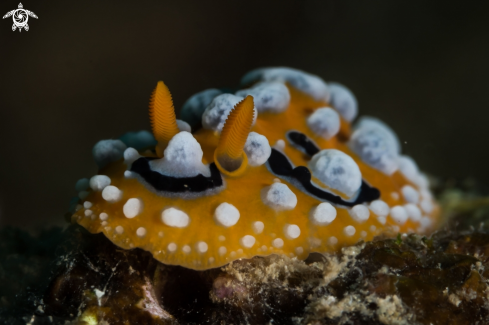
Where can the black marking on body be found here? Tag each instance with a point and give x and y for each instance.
(280, 165)
(302, 142)
(161, 182)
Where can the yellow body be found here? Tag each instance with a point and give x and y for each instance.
(244, 193)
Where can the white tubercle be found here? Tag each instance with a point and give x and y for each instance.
(132, 207)
(292, 231)
(324, 122)
(218, 110)
(336, 170)
(410, 194)
(111, 194)
(349, 231)
(247, 241)
(323, 214)
(258, 227)
(343, 100)
(257, 149)
(268, 96)
(175, 218)
(108, 151)
(184, 126)
(359, 213)
(379, 207)
(130, 156)
(399, 214)
(99, 182)
(182, 158)
(414, 213)
(278, 243)
(279, 197)
(226, 215)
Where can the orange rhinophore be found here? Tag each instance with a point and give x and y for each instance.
(229, 155)
(162, 117)
(274, 168)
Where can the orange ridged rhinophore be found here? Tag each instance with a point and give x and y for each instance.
(162, 116)
(229, 155)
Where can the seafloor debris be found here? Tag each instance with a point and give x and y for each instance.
(441, 279)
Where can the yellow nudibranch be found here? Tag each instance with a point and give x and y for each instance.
(273, 168)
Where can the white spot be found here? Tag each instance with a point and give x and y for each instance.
(323, 214)
(299, 250)
(232, 254)
(264, 248)
(184, 126)
(427, 205)
(141, 232)
(257, 149)
(218, 110)
(103, 216)
(211, 260)
(87, 204)
(194, 107)
(268, 96)
(222, 250)
(410, 194)
(131, 155)
(292, 231)
(175, 218)
(379, 207)
(160, 234)
(382, 220)
(376, 144)
(333, 240)
(343, 100)
(186, 249)
(278, 243)
(399, 214)
(172, 247)
(104, 223)
(279, 145)
(278, 196)
(99, 182)
(373, 228)
(414, 213)
(395, 195)
(111, 194)
(363, 233)
(222, 238)
(182, 158)
(408, 168)
(258, 227)
(226, 215)
(314, 242)
(349, 231)
(128, 174)
(324, 122)
(336, 170)
(108, 151)
(132, 208)
(247, 241)
(426, 222)
(82, 185)
(88, 213)
(359, 213)
(119, 230)
(306, 82)
(202, 247)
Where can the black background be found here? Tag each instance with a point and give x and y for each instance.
(85, 69)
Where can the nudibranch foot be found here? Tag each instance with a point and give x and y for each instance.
(275, 168)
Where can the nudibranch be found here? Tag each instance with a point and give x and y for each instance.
(275, 167)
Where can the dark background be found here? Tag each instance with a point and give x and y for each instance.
(84, 72)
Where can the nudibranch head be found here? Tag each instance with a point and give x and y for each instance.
(274, 168)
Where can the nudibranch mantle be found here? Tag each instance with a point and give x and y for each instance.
(274, 168)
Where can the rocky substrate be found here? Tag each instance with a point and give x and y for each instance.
(72, 277)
